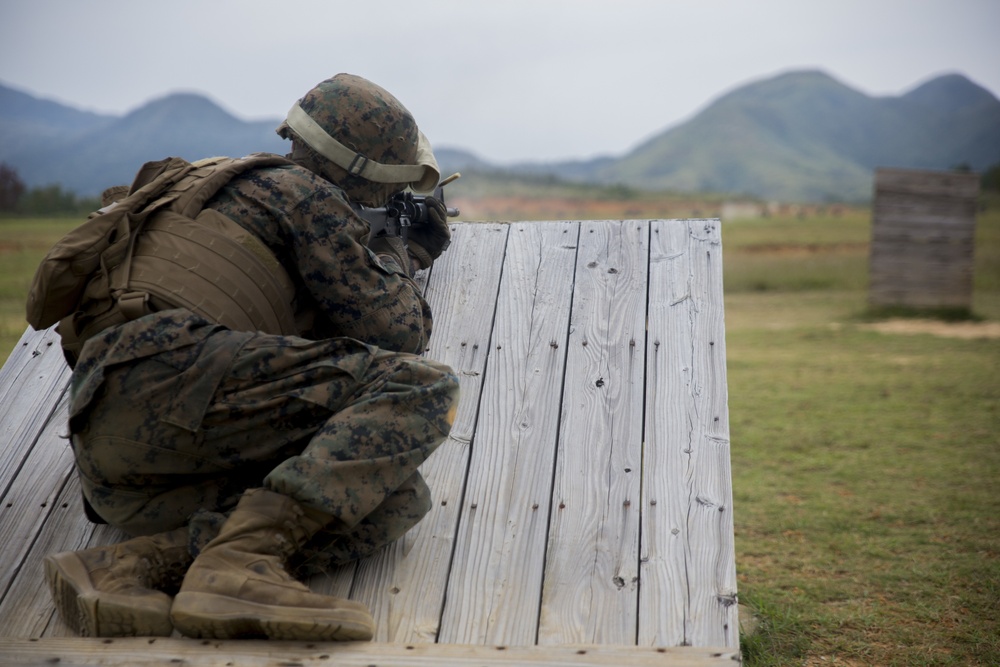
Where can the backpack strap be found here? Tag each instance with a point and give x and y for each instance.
(63, 275)
(164, 251)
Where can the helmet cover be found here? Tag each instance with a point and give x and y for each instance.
(357, 135)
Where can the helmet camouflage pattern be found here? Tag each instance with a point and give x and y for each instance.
(364, 118)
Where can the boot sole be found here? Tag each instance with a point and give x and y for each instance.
(207, 615)
(93, 613)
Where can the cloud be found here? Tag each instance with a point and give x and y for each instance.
(512, 81)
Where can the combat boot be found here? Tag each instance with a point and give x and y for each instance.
(121, 589)
(239, 585)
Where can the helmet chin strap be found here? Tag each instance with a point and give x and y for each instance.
(422, 177)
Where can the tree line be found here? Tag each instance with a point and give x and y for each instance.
(17, 199)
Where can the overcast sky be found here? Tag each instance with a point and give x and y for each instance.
(509, 80)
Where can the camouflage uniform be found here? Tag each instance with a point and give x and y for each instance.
(242, 458)
(172, 417)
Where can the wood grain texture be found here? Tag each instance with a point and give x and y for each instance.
(27, 610)
(687, 594)
(35, 457)
(923, 239)
(137, 652)
(922, 182)
(591, 568)
(495, 585)
(31, 383)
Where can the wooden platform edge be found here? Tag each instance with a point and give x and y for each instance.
(138, 651)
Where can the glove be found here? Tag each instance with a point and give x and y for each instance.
(427, 241)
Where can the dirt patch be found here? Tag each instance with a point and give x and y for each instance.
(937, 328)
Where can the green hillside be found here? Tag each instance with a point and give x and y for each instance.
(805, 136)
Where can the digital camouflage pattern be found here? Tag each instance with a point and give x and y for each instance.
(172, 417)
(367, 119)
(343, 287)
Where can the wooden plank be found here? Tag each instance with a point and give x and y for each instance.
(32, 494)
(924, 182)
(923, 237)
(31, 344)
(495, 588)
(591, 571)
(687, 594)
(949, 217)
(888, 242)
(27, 609)
(135, 652)
(38, 515)
(405, 584)
(31, 381)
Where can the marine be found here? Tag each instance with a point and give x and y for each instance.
(241, 460)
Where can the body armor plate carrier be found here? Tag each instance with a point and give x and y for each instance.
(158, 248)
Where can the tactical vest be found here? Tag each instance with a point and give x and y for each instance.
(158, 248)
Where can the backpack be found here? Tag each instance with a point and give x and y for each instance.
(157, 249)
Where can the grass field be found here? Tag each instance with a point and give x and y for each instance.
(865, 464)
(23, 244)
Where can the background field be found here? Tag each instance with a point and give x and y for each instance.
(865, 463)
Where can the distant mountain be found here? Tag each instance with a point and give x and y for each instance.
(453, 159)
(85, 153)
(797, 136)
(805, 136)
(28, 123)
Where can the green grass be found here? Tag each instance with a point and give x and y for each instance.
(864, 473)
(819, 253)
(865, 465)
(23, 244)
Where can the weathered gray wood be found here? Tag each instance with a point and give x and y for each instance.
(938, 184)
(687, 594)
(923, 238)
(591, 569)
(135, 652)
(34, 459)
(544, 421)
(24, 356)
(495, 586)
(27, 610)
(405, 584)
(31, 382)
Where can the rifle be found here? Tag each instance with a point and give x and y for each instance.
(403, 210)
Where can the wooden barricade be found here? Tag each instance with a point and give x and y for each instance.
(923, 238)
(582, 503)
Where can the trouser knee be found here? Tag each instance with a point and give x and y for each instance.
(437, 387)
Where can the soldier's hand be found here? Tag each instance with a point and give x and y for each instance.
(429, 240)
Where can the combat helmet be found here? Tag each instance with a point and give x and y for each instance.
(357, 135)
